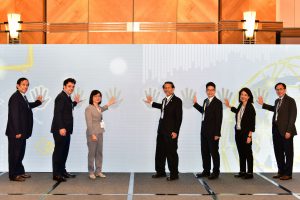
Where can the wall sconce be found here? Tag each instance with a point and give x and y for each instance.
(14, 27)
(249, 26)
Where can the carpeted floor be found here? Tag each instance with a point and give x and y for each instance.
(140, 186)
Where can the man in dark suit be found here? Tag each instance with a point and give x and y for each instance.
(62, 128)
(167, 132)
(283, 130)
(212, 114)
(19, 129)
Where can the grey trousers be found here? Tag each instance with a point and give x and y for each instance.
(95, 155)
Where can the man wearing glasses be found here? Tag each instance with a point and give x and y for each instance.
(283, 129)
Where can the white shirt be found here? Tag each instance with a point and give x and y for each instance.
(204, 106)
(164, 103)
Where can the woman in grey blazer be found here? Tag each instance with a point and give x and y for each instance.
(94, 132)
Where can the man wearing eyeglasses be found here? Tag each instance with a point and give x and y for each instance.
(283, 129)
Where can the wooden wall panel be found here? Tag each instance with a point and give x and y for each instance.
(32, 38)
(110, 11)
(233, 10)
(64, 11)
(3, 38)
(31, 11)
(197, 11)
(110, 38)
(155, 10)
(6, 6)
(231, 37)
(265, 38)
(67, 38)
(155, 38)
(197, 37)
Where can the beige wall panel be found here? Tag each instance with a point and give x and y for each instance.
(110, 11)
(59, 11)
(287, 12)
(155, 38)
(110, 38)
(67, 38)
(197, 38)
(197, 11)
(155, 10)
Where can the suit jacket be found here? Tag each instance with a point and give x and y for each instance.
(93, 118)
(63, 113)
(248, 119)
(287, 114)
(20, 118)
(172, 118)
(212, 123)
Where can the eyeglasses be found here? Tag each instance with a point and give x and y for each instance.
(280, 89)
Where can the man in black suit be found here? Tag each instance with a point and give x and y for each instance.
(212, 114)
(167, 132)
(283, 129)
(62, 128)
(19, 129)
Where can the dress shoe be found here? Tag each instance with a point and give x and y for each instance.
(203, 174)
(240, 175)
(277, 176)
(248, 176)
(213, 176)
(158, 175)
(172, 178)
(284, 178)
(26, 175)
(68, 175)
(17, 178)
(59, 178)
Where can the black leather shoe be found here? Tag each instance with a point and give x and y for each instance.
(68, 175)
(240, 175)
(158, 175)
(213, 176)
(17, 178)
(172, 178)
(59, 178)
(203, 174)
(26, 175)
(277, 176)
(248, 176)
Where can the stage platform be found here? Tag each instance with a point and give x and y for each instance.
(140, 186)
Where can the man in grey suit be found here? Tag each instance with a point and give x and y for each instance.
(283, 129)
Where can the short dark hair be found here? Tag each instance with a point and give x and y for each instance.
(20, 80)
(69, 80)
(210, 84)
(284, 85)
(93, 93)
(168, 82)
(249, 93)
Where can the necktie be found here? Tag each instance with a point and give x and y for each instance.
(207, 103)
(277, 108)
(163, 108)
(26, 101)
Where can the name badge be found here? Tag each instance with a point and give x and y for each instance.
(102, 124)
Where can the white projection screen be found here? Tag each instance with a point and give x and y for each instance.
(130, 71)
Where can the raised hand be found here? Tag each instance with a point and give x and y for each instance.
(225, 94)
(226, 102)
(260, 95)
(188, 96)
(116, 95)
(40, 93)
(78, 97)
(111, 101)
(151, 95)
